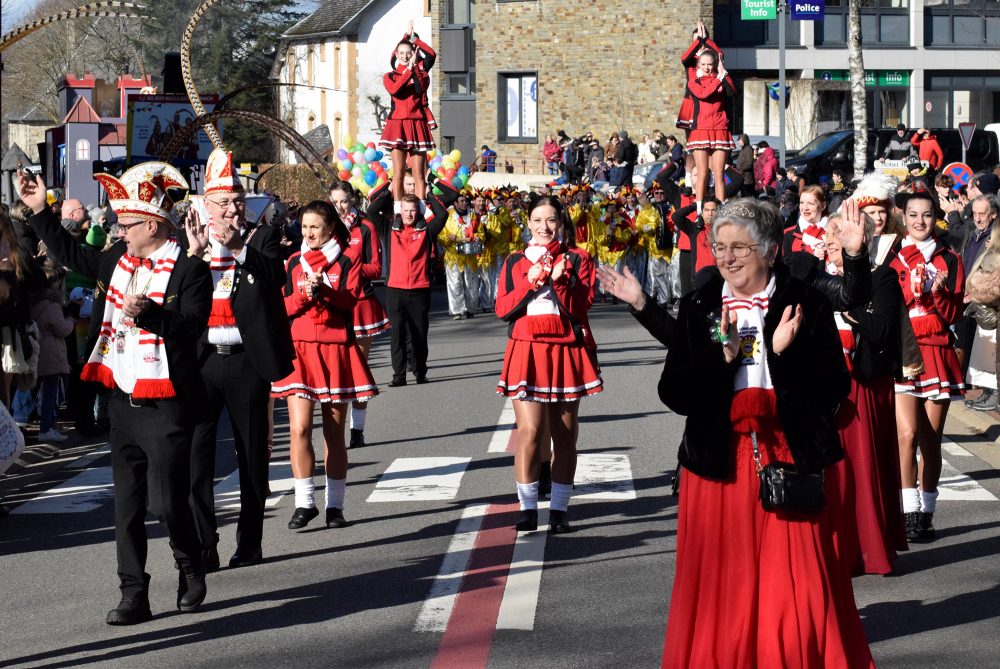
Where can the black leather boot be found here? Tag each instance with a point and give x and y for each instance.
(191, 589)
(528, 521)
(912, 524)
(925, 526)
(131, 610)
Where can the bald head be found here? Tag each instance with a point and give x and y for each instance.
(74, 210)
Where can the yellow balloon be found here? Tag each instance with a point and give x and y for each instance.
(348, 141)
(448, 163)
(455, 155)
(431, 154)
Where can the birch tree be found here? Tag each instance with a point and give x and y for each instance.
(859, 109)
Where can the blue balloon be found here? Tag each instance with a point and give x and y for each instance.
(371, 177)
(348, 165)
(379, 155)
(385, 166)
(463, 170)
(369, 155)
(457, 181)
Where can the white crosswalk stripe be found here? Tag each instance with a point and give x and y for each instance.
(602, 476)
(505, 425)
(420, 480)
(227, 491)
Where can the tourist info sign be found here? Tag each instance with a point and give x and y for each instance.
(758, 10)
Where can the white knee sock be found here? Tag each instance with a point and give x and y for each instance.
(527, 495)
(305, 493)
(928, 501)
(697, 206)
(688, 179)
(397, 207)
(335, 489)
(911, 500)
(358, 418)
(559, 499)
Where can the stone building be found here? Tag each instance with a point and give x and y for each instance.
(512, 72)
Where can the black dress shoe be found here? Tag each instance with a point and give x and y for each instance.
(210, 557)
(242, 558)
(422, 378)
(558, 523)
(911, 523)
(335, 518)
(301, 517)
(191, 589)
(357, 439)
(528, 521)
(130, 611)
(397, 382)
(925, 526)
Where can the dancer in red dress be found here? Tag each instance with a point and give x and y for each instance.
(868, 476)
(933, 282)
(329, 367)
(370, 319)
(407, 131)
(756, 588)
(710, 140)
(544, 294)
(700, 42)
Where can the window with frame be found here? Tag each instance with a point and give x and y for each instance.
(517, 107)
(459, 12)
(731, 30)
(82, 149)
(961, 23)
(460, 85)
(883, 22)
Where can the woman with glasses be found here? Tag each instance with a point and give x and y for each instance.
(756, 587)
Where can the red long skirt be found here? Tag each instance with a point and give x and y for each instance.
(868, 480)
(757, 589)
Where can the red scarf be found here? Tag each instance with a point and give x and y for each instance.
(319, 262)
(543, 309)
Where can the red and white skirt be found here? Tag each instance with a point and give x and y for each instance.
(327, 373)
(942, 377)
(370, 318)
(710, 140)
(542, 372)
(411, 135)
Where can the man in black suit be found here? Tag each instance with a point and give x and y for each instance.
(247, 346)
(151, 306)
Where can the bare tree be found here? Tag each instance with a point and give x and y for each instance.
(856, 62)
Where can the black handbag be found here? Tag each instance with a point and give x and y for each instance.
(784, 488)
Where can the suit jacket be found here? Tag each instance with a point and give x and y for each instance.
(259, 307)
(180, 320)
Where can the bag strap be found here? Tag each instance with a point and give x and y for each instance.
(756, 452)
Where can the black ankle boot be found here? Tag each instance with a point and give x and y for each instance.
(335, 518)
(528, 521)
(911, 521)
(191, 588)
(357, 439)
(925, 526)
(558, 523)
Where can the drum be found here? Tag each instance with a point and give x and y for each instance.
(473, 248)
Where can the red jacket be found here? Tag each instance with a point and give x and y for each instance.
(928, 149)
(709, 100)
(409, 267)
(325, 318)
(945, 306)
(365, 253)
(765, 168)
(408, 88)
(574, 292)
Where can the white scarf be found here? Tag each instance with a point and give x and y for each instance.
(750, 313)
(926, 248)
(222, 264)
(543, 309)
(318, 261)
(125, 354)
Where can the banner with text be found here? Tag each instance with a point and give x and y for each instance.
(758, 10)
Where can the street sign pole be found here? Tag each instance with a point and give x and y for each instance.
(782, 9)
(965, 131)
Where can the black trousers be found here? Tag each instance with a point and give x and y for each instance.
(965, 336)
(686, 271)
(151, 458)
(409, 316)
(231, 382)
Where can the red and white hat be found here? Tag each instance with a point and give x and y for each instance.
(141, 192)
(219, 174)
(876, 188)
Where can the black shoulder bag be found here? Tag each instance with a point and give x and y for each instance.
(784, 488)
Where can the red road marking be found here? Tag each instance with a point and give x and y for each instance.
(467, 641)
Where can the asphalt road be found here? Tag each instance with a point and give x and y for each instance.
(358, 597)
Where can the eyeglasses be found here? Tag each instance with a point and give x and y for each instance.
(224, 204)
(125, 227)
(739, 250)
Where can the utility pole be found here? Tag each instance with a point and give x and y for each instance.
(782, 12)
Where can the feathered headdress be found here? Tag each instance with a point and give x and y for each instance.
(876, 188)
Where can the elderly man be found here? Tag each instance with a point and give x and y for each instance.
(247, 346)
(977, 238)
(150, 307)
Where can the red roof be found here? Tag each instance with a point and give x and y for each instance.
(82, 112)
(125, 81)
(113, 134)
(86, 81)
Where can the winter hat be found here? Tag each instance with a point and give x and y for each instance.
(96, 237)
(95, 213)
(988, 183)
(876, 188)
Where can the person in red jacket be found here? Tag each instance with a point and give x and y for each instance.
(765, 169)
(700, 42)
(544, 294)
(370, 319)
(710, 140)
(933, 281)
(928, 148)
(329, 368)
(407, 131)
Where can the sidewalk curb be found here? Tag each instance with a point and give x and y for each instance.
(980, 422)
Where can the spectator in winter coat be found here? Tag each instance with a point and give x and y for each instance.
(628, 157)
(551, 153)
(928, 148)
(765, 169)
(53, 328)
(899, 147)
(744, 165)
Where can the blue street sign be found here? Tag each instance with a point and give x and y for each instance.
(807, 10)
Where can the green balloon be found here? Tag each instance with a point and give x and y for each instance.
(436, 191)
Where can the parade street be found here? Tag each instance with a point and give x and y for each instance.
(430, 572)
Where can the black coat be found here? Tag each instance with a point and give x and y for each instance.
(259, 307)
(877, 328)
(853, 289)
(181, 319)
(810, 379)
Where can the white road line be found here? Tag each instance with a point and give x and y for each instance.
(951, 448)
(227, 491)
(600, 476)
(420, 480)
(956, 486)
(524, 580)
(436, 610)
(88, 490)
(505, 425)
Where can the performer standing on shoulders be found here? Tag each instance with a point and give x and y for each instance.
(370, 319)
(248, 345)
(407, 132)
(544, 294)
(710, 140)
(150, 308)
(329, 366)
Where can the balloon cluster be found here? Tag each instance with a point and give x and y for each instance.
(362, 165)
(449, 168)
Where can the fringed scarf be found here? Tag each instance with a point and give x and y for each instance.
(121, 344)
(222, 264)
(916, 258)
(543, 310)
(753, 399)
(319, 262)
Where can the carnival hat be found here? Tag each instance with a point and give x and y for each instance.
(141, 192)
(876, 188)
(219, 174)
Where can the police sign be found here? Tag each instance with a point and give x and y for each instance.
(807, 10)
